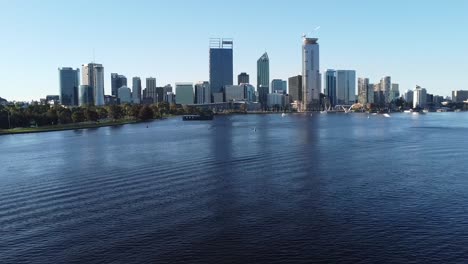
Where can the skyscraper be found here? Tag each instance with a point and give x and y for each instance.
(243, 78)
(125, 95)
(385, 87)
(221, 66)
(330, 86)
(346, 86)
(310, 74)
(151, 83)
(363, 90)
(136, 90)
(263, 79)
(295, 88)
(278, 85)
(184, 93)
(93, 76)
(394, 92)
(419, 97)
(202, 93)
(117, 81)
(69, 82)
(86, 95)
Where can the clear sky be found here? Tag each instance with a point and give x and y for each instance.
(418, 42)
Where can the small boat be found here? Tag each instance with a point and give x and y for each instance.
(197, 117)
(283, 114)
(386, 115)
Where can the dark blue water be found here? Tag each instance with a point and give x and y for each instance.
(240, 189)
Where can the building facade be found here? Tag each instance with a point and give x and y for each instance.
(136, 90)
(311, 74)
(184, 93)
(93, 75)
(69, 82)
(419, 97)
(117, 81)
(125, 95)
(363, 91)
(385, 88)
(459, 96)
(263, 78)
(295, 88)
(330, 86)
(86, 95)
(345, 87)
(221, 68)
(279, 86)
(243, 78)
(202, 93)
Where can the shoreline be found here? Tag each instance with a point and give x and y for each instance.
(79, 126)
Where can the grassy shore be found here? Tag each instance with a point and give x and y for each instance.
(67, 126)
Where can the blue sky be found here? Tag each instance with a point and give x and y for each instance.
(415, 42)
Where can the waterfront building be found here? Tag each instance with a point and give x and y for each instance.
(394, 92)
(370, 93)
(243, 78)
(419, 97)
(459, 96)
(363, 91)
(345, 87)
(117, 81)
(385, 88)
(408, 96)
(150, 94)
(279, 86)
(69, 82)
(170, 98)
(295, 88)
(110, 100)
(202, 93)
(136, 90)
(235, 93)
(330, 86)
(86, 95)
(93, 76)
(310, 74)
(379, 95)
(250, 93)
(275, 101)
(125, 95)
(184, 93)
(263, 78)
(220, 67)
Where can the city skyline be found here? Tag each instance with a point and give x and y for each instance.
(396, 46)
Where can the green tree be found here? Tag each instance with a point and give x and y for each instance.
(173, 109)
(91, 114)
(78, 116)
(164, 107)
(64, 116)
(146, 113)
(52, 116)
(102, 112)
(115, 112)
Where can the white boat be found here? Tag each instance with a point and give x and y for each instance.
(386, 115)
(283, 114)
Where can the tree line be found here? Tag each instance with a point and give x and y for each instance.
(18, 115)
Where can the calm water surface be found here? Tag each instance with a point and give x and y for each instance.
(240, 189)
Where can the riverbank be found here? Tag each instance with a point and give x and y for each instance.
(85, 125)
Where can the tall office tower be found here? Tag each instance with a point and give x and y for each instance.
(69, 82)
(394, 92)
(221, 67)
(363, 90)
(263, 79)
(408, 96)
(385, 87)
(243, 78)
(279, 86)
(184, 93)
(151, 83)
(330, 86)
(370, 93)
(117, 81)
(346, 87)
(136, 90)
(86, 95)
(419, 97)
(93, 75)
(379, 95)
(295, 88)
(311, 74)
(202, 93)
